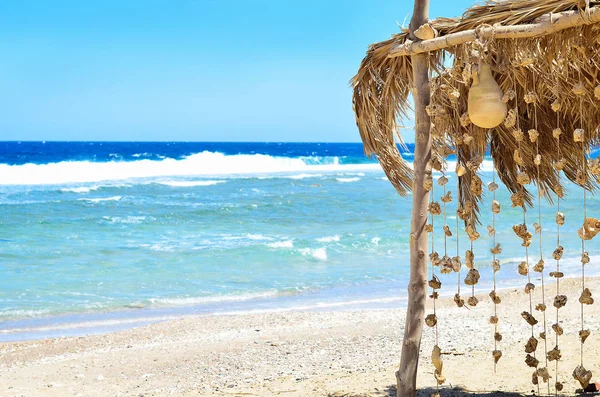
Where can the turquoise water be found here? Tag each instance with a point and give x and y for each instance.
(114, 243)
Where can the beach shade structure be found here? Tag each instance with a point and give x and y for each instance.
(518, 79)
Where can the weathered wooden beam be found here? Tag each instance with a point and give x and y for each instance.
(406, 376)
(545, 25)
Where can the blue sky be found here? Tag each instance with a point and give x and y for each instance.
(204, 70)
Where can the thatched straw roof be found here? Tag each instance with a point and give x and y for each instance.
(549, 67)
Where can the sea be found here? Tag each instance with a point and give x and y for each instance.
(101, 236)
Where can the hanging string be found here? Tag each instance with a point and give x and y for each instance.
(496, 354)
(555, 353)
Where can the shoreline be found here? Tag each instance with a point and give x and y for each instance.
(341, 353)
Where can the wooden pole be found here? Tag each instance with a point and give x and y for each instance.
(406, 376)
(546, 25)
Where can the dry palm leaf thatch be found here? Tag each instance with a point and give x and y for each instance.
(556, 75)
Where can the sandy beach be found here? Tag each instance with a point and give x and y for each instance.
(344, 353)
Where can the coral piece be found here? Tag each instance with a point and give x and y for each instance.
(558, 252)
(472, 301)
(534, 378)
(460, 302)
(492, 186)
(523, 269)
(582, 375)
(531, 345)
(533, 135)
(531, 361)
(554, 354)
(472, 277)
(435, 163)
(497, 354)
(560, 218)
(529, 318)
(496, 250)
(560, 301)
(434, 208)
(434, 295)
(495, 206)
(529, 287)
(428, 228)
(435, 282)
(495, 298)
(583, 335)
(539, 267)
(578, 135)
(586, 297)
(521, 232)
(591, 227)
(447, 231)
(543, 334)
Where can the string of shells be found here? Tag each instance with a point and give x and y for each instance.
(496, 250)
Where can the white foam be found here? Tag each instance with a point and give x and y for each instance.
(347, 180)
(282, 244)
(199, 164)
(191, 183)
(329, 239)
(317, 253)
(81, 189)
(376, 240)
(97, 200)
(303, 176)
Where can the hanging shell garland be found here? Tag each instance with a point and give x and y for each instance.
(447, 231)
(591, 227)
(493, 320)
(447, 197)
(485, 105)
(465, 121)
(554, 354)
(435, 282)
(496, 265)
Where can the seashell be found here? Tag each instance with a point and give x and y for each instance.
(472, 277)
(554, 354)
(496, 250)
(467, 139)
(485, 105)
(533, 135)
(472, 301)
(511, 118)
(556, 105)
(469, 259)
(556, 133)
(585, 258)
(529, 287)
(559, 165)
(544, 374)
(518, 135)
(446, 198)
(498, 336)
(531, 361)
(534, 378)
(462, 213)
(540, 307)
(435, 282)
(474, 163)
(521, 232)
(578, 135)
(581, 177)
(537, 227)
(537, 159)
(442, 180)
(454, 95)
(493, 320)
(518, 199)
(558, 190)
(491, 230)
(560, 218)
(465, 121)
(539, 267)
(582, 375)
(446, 266)
(434, 258)
(543, 335)
(428, 183)
(425, 32)
(594, 166)
(583, 335)
(530, 97)
(597, 92)
(456, 264)
(460, 169)
(447, 231)
(523, 178)
(497, 354)
(434, 208)
(460, 302)
(578, 89)
(560, 301)
(523, 269)
(558, 252)
(495, 298)
(496, 265)
(586, 297)
(431, 320)
(436, 358)
(529, 318)
(472, 233)
(492, 186)
(558, 329)
(510, 94)
(434, 295)
(591, 227)
(429, 228)
(531, 345)
(557, 274)
(476, 186)
(518, 158)
(558, 386)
